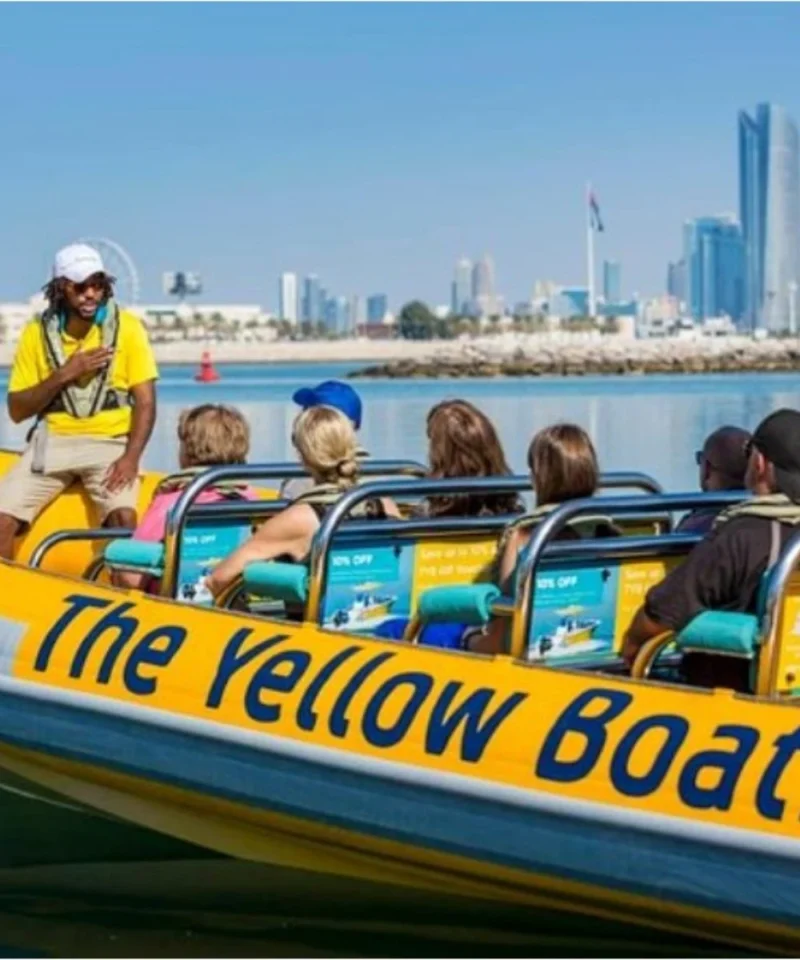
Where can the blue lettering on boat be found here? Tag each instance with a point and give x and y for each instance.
(591, 727)
(768, 804)
(271, 670)
(306, 717)
(643, 785)
(592, 713)
(419, 684)
(231, 661)
(477, 731)
(729, 764)
(271, 677)
(150, 652)
(453, 718)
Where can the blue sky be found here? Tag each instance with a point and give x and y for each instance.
(374, 144)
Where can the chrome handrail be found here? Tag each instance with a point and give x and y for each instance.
(554, 522)
(241, 472)
(321, 544)
(74, 536)
(250, 509)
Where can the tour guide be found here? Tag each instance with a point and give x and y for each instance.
(86, 371)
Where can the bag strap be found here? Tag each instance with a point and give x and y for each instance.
(774, 543)
(110, 338)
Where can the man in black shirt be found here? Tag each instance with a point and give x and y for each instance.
(725, 570)
(723, 466)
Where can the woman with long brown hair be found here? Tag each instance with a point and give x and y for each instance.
(462, 442)
(563, 465)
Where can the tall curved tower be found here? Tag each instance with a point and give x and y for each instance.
(769, 203)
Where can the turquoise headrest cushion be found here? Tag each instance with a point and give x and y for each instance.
(140, 555)
(469, 604)
(718, 631)
(278, 581)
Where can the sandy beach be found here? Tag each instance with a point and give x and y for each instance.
(281, 351)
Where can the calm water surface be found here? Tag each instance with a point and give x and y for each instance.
(652, 424)
(638, 423)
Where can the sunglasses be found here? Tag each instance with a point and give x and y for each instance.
(95, 282)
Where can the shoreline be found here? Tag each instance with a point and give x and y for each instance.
(499, 355)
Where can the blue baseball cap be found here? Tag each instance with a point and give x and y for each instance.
(332, 393)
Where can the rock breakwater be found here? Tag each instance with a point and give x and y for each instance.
(497, 357)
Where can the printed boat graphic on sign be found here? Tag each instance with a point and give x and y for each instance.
(366, 607)
(573, 633)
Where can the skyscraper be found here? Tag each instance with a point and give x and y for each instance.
(483, 298)
(287, 296)
(714, 256)
(676, 280)
(311, 308)
(377, 307)
(769, 202)
(612, 281)
(461, 295)
(337, 315)
(357, 314)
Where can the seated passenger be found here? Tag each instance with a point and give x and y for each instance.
(563, 465)
(725, 570)
(330, 393)
(326, 441)
(723, 465)
(210, 435)
(462, 442)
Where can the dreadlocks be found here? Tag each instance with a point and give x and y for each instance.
(56, 296)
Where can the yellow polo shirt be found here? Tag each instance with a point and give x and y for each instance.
(133, 363)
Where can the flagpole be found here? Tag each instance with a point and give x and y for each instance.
(590, 250)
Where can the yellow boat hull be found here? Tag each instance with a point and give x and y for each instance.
(489, 780)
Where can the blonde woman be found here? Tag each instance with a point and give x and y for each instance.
(327, 446)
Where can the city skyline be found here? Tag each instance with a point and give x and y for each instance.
(191, 170)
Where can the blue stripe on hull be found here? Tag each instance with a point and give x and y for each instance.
(687, 872)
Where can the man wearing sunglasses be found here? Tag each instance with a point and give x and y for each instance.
(723, 464)
(85, 371)
(725, 570)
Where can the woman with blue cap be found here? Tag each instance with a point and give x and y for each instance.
(330, 393)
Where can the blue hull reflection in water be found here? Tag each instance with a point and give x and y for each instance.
(243, 909)
(646, 423)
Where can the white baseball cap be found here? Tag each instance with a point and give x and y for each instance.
(77, 263)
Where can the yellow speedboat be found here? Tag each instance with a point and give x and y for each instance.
(494, 789)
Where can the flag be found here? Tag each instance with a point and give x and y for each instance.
(594, 214)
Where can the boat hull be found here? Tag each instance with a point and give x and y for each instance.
(345, 759)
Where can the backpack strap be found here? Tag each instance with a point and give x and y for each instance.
(774, 543)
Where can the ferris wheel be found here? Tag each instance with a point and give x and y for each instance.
(119, 263)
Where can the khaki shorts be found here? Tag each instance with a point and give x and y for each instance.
(24, 494)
